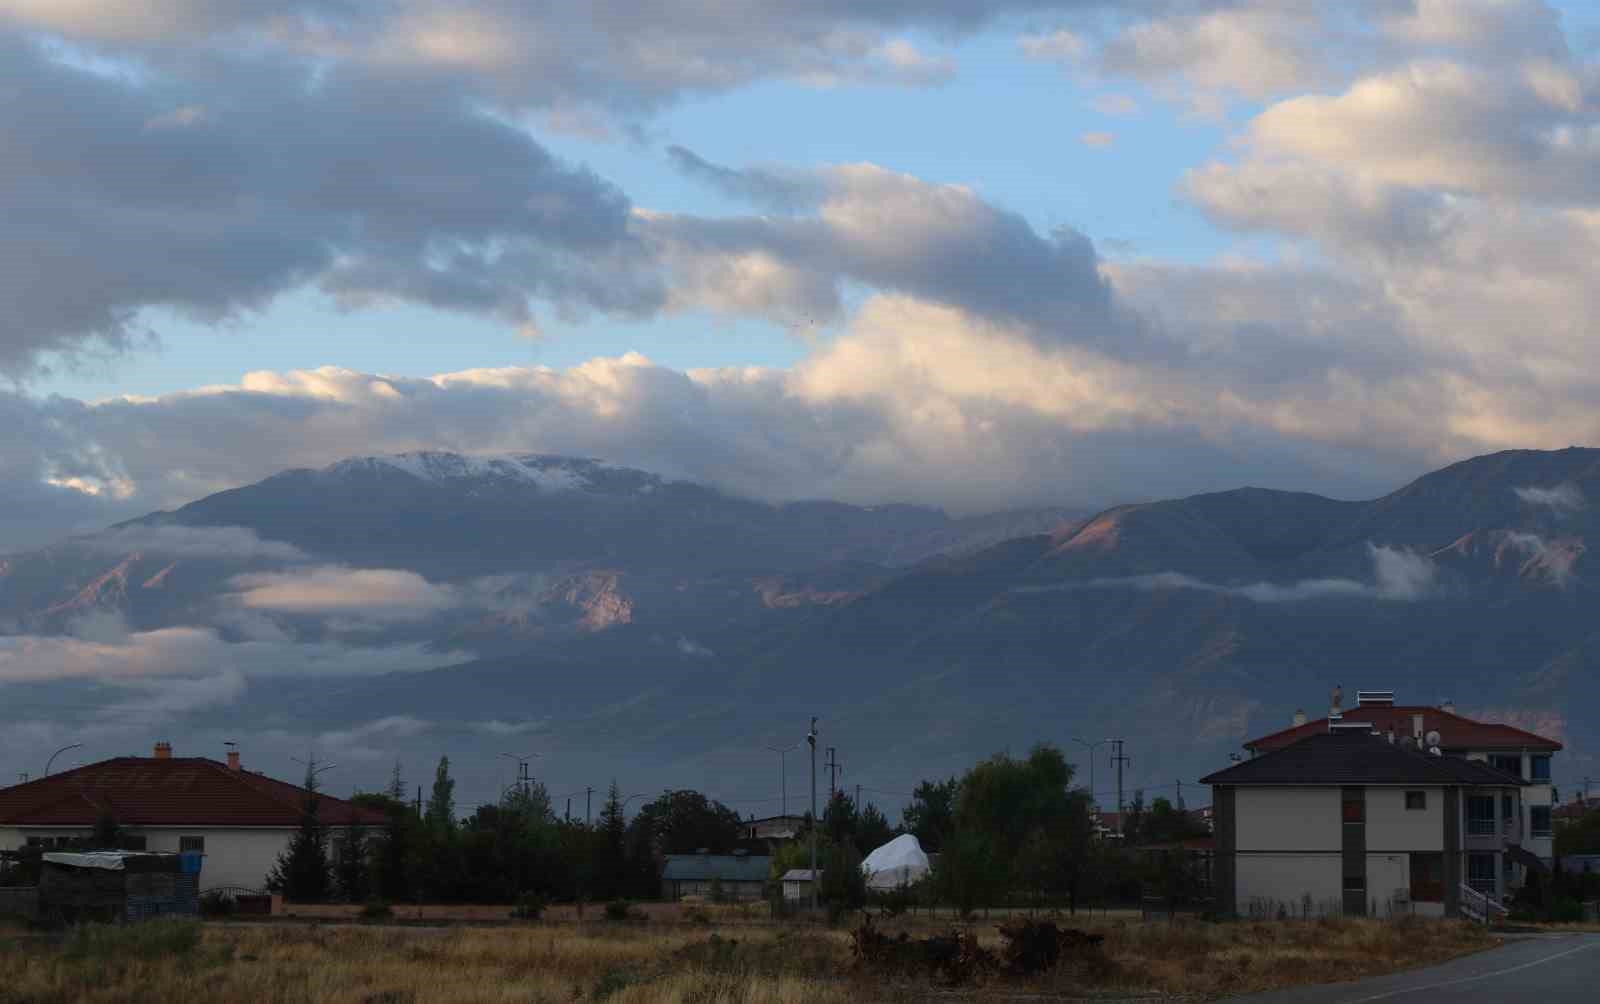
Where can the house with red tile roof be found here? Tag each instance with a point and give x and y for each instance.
(239, 819)
(1518, 752)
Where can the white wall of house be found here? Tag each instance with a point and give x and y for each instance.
(1388, 878)
(1287, 819)
(1393, 827)
(1267, 881)
(234, 856)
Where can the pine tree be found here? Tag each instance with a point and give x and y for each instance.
(302, 873)
(441, 814)
(611, 846)
(397, 785)
(350, 867)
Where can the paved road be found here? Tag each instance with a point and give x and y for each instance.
(1547, 969)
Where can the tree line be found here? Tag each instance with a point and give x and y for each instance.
(1009, 830)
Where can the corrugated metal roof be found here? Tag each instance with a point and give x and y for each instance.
(727, 867)
(1356, 758)
(174, 791)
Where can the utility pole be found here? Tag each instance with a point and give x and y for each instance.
(858, 799)
(569, 808)
(1180, 796)
(588, 820)
(811, 740)
(1094, 796)
(419, 801)
(1119, 759)
(834, 770)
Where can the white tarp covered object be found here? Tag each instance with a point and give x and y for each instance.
(897, 863)
(111, 861)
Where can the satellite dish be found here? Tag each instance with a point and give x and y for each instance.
(1432, 739)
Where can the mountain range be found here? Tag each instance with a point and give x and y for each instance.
(629, 624)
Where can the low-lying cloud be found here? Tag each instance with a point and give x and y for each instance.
(228, 543)
(379, 594)
(1398, 576)
(1565, 497)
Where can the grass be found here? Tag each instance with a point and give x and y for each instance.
(625, 963)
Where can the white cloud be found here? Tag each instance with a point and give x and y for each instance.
(377, 594)
(1565, 497)
(191, 542)
(498, 728)
(1098, 139)
(1399, 576)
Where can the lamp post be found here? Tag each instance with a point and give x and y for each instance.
(57, 753)
(811, 740)
(783, 771)
(1094, 800)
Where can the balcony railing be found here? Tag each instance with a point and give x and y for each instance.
(1482, 827)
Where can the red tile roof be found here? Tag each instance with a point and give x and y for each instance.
(175, 791)
(1455, 732)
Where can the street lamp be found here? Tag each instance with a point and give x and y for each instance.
(783, 770)
(1094, 800)
(811, 740)
(57, 753)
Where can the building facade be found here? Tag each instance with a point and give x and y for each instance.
(1348, 822)
(1514, 751)
(240, 820)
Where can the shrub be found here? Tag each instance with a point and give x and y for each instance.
(697, 915)
(530, 906)
(377, 909)
(1566, 910)
(717, 893)
(154, 939)
(618, 909)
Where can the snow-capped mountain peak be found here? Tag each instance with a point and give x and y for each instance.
(549, 474)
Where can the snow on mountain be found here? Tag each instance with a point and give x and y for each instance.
(555, 475)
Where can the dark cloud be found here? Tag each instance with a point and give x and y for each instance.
(212, 193)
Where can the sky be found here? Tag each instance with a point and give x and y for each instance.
(977, 254)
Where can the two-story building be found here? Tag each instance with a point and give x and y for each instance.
(1503, 747)
(1348, 821)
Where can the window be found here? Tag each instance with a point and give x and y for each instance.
(1480, 815)
(1416, 800)
(196, 844)
(1480, 873)
(1539, 820)
(1541, 768)
(1511, 763)
(1355, 810)
(1427, 877)
(1355, 883)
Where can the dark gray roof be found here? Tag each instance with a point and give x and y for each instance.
(1357, 758)
(705, 867)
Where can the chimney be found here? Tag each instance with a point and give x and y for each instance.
(1416, 726)
(1448, 707)
(233, 759)
(1299, 716)
(163, 751)
(1337, 702)
(1391, 735)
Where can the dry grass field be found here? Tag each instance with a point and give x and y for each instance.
(170, 963)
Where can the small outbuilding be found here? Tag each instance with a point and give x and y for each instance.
(735, 876)
(118, 885)
(798, 882)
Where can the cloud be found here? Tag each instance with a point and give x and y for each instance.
(376, 594)
(1565, 497)
(236, 543)
(196, 651)
(289, 179)
(498, 728)
(777, 188)
(1117, 105)
(1100, 140)
(693, 649)
(1399, 576)
(609, 55)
